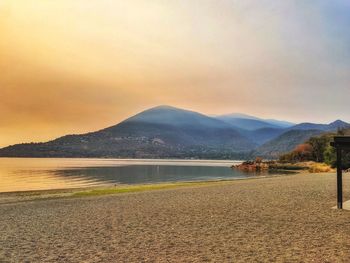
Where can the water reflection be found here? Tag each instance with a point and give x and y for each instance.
(18, 174)
(140, 174)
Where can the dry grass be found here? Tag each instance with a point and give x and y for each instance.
(310, 166)
(320, 168)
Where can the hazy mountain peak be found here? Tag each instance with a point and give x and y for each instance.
(338, 124)
(182, 133)
(169, 115)
(163, 107)
(166, 108)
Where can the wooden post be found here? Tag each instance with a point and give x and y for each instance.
(339, 178)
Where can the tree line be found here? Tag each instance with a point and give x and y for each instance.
(318, 149)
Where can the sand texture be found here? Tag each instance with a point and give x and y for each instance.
(281, 219)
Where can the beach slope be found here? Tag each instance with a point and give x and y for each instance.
(278, 219)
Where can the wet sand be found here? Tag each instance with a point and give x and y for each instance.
(280, 219)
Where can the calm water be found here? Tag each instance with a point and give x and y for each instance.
(23, 174)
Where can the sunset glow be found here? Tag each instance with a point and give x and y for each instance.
(78, 66)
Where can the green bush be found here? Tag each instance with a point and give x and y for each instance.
(330, 156)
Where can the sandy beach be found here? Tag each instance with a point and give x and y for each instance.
(278, 219)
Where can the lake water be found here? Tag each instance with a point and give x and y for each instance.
(24, 174)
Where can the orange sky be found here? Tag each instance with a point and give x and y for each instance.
(77, 66)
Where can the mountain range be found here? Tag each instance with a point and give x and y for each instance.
(169, 132)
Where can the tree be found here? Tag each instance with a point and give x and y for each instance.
(330, 156)
(303, 152)
(319, 145)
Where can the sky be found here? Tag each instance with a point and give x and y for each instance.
(70, 67)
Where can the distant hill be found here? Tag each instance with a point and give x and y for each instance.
(282, 124)
(248, 122)
(289, 138)
(159, 132)
(169, 132)
(285, 143)
(263, 135)
(338, 124)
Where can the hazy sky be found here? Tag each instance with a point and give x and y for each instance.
(71, 66)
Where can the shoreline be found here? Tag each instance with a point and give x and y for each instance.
(46, 194)
(126, 159)
(270, 219)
